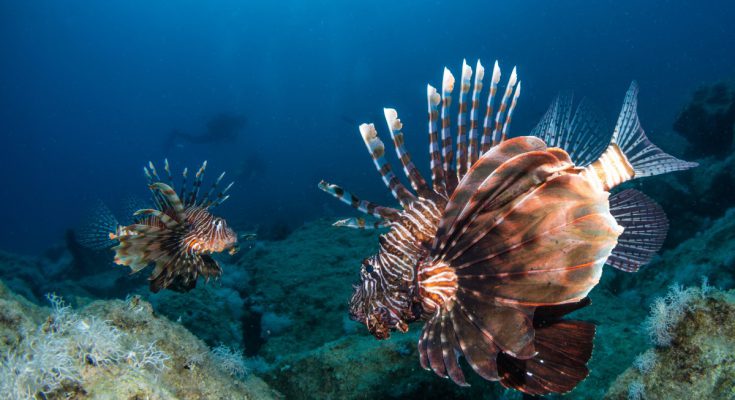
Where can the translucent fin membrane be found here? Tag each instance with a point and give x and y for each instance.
(645, 227)
(96, 230)
(645, 157)
(579, 132)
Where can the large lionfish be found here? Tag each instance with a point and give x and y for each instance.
(509, 238)
(178, 234)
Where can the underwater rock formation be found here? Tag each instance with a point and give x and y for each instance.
(699, 362)
(109, 350)
(708, 121)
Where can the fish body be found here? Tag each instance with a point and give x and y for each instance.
(510, 237)
(178, 235)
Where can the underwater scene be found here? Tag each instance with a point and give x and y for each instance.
(367, 199)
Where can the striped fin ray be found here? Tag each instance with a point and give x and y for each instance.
(184, 183)
(504, 106)
(377, 150)
(169, 222)
(167, 168)
(171, 198)
(364, 206)
(193, 197)
(208, 200)
(151, 177)
(645, 227)
(222, 196)
(473, 148)
(438, 178)
(646, 158)
(446, 130)
(361, 223)
(464, 89)
(578, 131)
(487, 138)
(412, 173)
(506, 125)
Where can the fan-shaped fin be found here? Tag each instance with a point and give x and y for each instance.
(507, 183)
(509, 327)
(479, 351)
(450, 349)
(564, 347)
(645, 227)
(180, 273)
(546, 247)
(477, 175)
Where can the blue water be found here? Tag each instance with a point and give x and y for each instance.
(89, 91)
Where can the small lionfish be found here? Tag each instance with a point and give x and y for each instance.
(179, 234)
(509, 238)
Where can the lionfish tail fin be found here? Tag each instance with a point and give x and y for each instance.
(99, 231)
(564, 347)
(645, 227)
(645, 157)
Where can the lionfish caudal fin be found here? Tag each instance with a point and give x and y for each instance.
(186, 196)
(99, 230)
(446, 170)
(630, 153)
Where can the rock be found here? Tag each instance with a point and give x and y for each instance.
(699, 364)
(109, 349)
(708, 121)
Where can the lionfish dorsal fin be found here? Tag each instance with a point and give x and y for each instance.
(464, 89)
(172, 199)
(377, 151)
(473, 149)
(409, 169)
(579, 131)
(645, 226)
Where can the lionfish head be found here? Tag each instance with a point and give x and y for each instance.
(218, 237)
(380, 309)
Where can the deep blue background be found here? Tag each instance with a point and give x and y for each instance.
(89, 90)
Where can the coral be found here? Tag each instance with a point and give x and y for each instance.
(666, 312)
(110, 349)
(646, 361)
(230, 360)
(699, 362)
(636, 391)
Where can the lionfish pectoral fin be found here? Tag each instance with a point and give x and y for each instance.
(645, 226)
(172, 199)
(181, 272)
(564, 348)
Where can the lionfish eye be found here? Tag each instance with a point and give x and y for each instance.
(368, 268)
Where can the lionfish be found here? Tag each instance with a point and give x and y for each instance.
(178, 235)
(510, 237)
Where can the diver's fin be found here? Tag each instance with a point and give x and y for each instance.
(377, 152)
(95, 231)
(365, 206)
(645, 227)
(409, 169)
(579, 132)
(564, 348)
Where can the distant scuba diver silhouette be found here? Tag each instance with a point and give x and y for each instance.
(222, 127)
